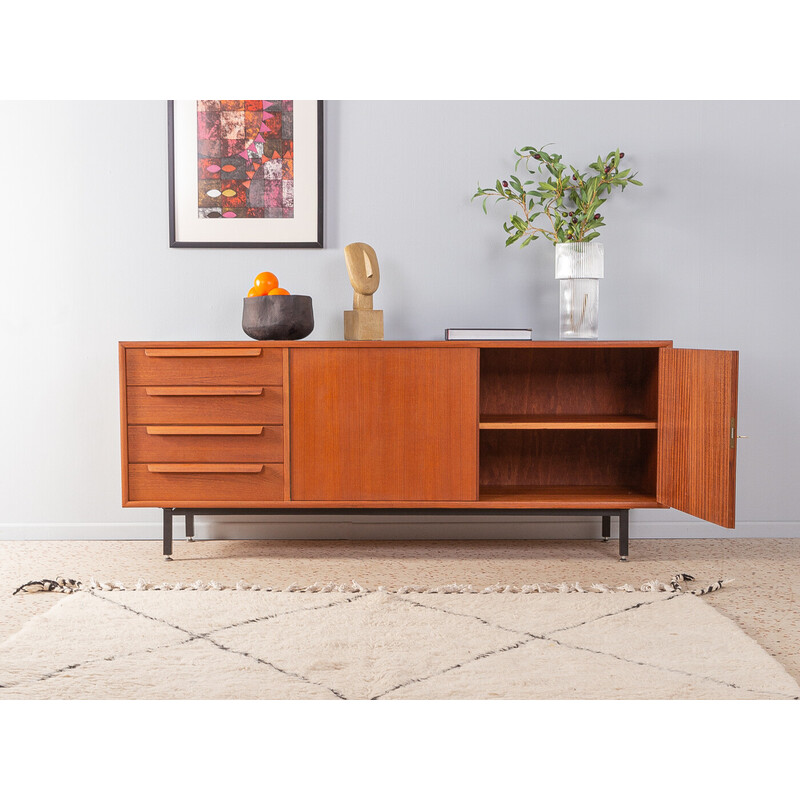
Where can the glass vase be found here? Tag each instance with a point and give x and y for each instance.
(579, 267)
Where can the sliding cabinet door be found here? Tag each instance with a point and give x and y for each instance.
(384, 424)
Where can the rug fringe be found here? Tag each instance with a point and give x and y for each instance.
(69, 585)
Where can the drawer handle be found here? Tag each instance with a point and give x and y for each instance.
(205, 430)
(205, 467)
(197, 391)
(203, 352)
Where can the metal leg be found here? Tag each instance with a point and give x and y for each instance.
(606, 527)
(623, 534)
(167, 525)
(189, 527)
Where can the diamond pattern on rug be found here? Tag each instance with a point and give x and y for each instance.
(541, 670)
(64, 639)
(515, 613)
(203, 613)
(147, 674)
(637, 637)
(358, 650)
(260, 645)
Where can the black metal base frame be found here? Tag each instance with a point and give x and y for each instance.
(606, 514)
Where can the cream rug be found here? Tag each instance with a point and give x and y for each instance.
(380, 645)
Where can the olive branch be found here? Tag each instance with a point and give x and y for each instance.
(568, 198)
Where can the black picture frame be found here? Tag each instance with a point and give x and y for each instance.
(315, 240)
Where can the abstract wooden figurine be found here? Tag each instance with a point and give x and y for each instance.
(362, 323)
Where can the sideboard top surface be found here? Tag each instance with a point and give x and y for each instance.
(404, 343)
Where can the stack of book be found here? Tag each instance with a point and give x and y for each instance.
(487, 334)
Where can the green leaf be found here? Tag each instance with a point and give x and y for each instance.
(484, 205)
(518, 223)
(636, 183)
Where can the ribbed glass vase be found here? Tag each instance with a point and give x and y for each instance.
(579, 267)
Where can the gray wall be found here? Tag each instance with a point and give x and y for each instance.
(704, 254)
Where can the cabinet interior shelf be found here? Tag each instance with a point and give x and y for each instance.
(565, 421)
(569, 496)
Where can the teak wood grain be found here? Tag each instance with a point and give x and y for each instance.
(429, 425)
(148, 366)
(548, 458)
(697, 443)
(204, 468)
(187, 443)
(123, 418)
(578, 496)
(287, 448)
(383, 424)
(205, 489)
(192, 352)
(145, 408)
(574, 381)
(414, 344)
(202, 391)
(205, 430)
(564, 421)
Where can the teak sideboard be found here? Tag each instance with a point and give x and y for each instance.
(428, 427)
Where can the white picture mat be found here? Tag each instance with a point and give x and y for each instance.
(189, 227)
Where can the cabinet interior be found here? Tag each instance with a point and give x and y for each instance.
(564, 425)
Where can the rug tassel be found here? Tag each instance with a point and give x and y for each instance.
(69, 585)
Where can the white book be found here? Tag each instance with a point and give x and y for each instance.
(485, 334)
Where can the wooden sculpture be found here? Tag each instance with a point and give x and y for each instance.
(363, 323)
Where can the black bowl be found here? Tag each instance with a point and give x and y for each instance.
(278, 316)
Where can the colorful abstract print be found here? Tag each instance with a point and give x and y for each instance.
(245, 159)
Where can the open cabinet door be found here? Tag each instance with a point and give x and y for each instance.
(697, 433)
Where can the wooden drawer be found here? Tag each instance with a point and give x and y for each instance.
(197, 443)
(199, 366)
(160, 404)
(178, 484)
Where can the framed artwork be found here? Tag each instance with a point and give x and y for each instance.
(245, 173)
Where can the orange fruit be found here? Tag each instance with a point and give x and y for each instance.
(278, 290)
(265, 281)
(254, 292)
